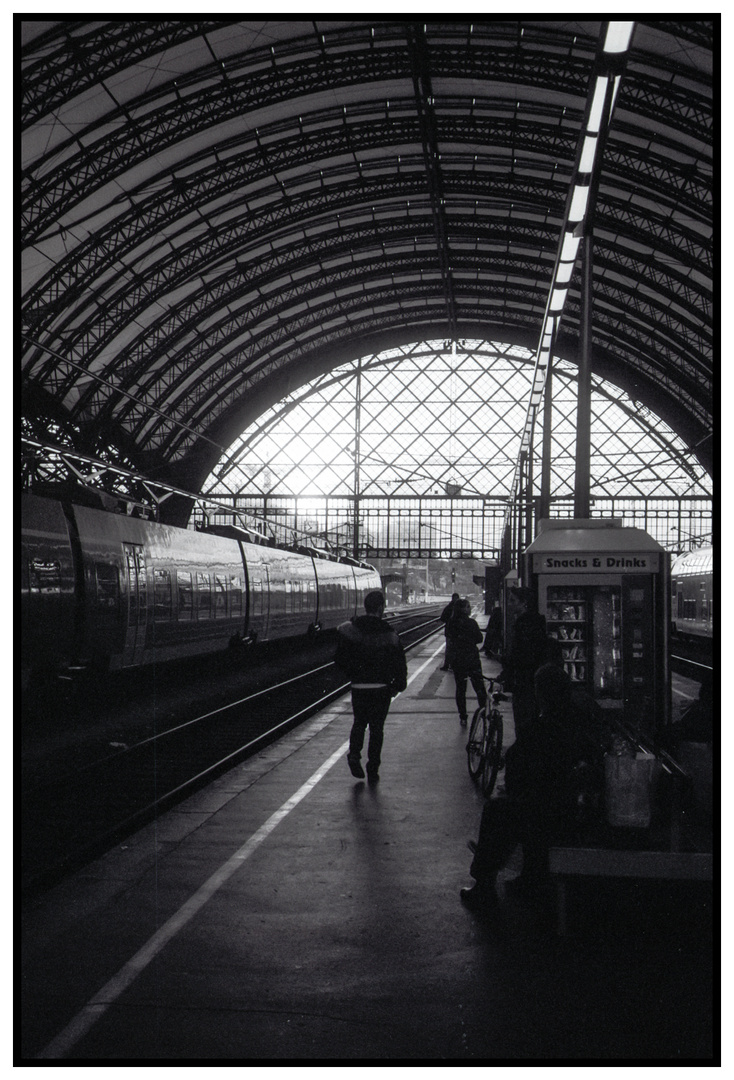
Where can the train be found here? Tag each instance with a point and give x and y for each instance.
(692, 604)
(105, 591)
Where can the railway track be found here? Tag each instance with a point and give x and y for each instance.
(75, 813)
(691, 660)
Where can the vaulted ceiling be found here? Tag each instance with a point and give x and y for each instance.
(213, 212)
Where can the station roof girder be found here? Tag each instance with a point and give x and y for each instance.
(212, 209)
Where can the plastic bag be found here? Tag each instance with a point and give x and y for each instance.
(628, 789)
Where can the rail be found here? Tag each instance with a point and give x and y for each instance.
(105, 789)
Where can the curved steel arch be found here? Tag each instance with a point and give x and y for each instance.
(253, 158)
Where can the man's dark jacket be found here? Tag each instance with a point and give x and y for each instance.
(529, 649)
(369, 652)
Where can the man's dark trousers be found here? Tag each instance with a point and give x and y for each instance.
(370, 709)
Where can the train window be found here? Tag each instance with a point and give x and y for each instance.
(162, 596)
(288, 589)
(297, 596)
(235, 597)
(45, 577)
(257, 598)
(220, 596)
(204, 592)
(185, 596)
(108, 586)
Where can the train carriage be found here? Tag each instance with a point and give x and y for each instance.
(692, 607)
(116, 591)
(48, 582)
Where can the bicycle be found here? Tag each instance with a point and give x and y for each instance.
(484, 748)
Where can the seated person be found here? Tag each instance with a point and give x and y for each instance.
(541, 784)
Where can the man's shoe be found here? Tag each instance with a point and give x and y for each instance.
(445, 668)
(372, 777)
(463, 721)
(479, 898)
(355, 768)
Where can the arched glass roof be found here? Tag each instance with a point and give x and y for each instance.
(441, 418)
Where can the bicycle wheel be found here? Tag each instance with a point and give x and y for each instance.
(492, 757)
(475, 746)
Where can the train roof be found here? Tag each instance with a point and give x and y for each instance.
(698, 561)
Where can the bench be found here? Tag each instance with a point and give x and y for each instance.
(565, 862)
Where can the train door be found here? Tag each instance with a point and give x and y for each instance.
(258, 614)
(137, 604)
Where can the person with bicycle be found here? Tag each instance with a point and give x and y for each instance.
(464, 635)
(540, 803)
(528, 650)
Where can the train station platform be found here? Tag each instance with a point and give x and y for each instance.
(292, 913)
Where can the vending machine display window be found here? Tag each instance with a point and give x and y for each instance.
(587, 624)
(568, 621)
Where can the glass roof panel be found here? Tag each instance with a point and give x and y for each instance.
(435, 417)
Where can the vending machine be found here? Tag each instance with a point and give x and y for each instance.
(604, 591)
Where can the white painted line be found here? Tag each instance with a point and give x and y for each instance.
(98, 1005)
(425, 664)
(85, 1019)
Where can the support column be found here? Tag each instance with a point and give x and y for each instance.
(357, 430)
(545, 474)
(582, 501)
(529, 501)
(519, 509)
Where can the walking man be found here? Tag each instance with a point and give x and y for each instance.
(369, 652)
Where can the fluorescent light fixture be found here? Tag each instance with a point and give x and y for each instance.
(618, 37)
(579, 200)
(617, 81)
(558, 299)
(570, 247)
(587, 154)
(564, 271)
(597, 104)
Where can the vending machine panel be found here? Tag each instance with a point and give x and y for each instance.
(607, 643)
(638, 652)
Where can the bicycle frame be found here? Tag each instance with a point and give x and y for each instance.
(484, 748)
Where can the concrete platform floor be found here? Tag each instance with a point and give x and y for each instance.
(292, 913)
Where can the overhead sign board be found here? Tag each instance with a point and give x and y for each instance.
(590, 562)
